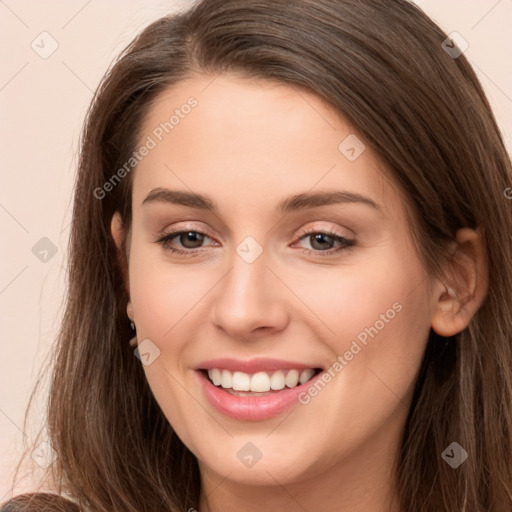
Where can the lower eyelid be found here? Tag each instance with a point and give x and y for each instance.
(333, 251)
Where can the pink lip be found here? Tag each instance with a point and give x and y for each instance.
(252, 366)
(252, 408)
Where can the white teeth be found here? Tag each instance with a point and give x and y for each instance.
(259, 382)
(216, 375)
(227, 379)
(277, 380)
(241, 381)
(306, 375)
(292, 378)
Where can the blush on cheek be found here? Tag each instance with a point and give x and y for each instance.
(169, 306)
(380, 321)
(350, 310)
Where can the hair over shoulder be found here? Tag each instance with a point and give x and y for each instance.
(38, 502)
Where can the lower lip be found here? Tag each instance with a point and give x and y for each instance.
(253, 408)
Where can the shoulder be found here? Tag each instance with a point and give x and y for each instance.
(35, 502)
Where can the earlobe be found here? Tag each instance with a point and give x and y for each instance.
(449, 318)
(458, 301)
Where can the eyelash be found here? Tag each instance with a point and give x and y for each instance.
(347, 244)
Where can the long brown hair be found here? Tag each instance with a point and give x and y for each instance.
(381, 65)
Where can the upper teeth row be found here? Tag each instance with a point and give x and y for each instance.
(261, 381)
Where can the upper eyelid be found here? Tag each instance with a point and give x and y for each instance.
(207, 232)
(177, 231)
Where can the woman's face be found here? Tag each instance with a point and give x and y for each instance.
(295, 256)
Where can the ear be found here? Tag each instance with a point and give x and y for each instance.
(119, 236)
(457, 300)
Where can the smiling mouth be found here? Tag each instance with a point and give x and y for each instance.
(260, 383)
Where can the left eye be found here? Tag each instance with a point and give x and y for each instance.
(322, 242)
(194, 238)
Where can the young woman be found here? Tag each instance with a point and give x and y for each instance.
(290, 281)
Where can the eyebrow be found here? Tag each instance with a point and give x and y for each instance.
(296, 202)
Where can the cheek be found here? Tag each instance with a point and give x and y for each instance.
(379, 290)
(389, 321)
(376, 316)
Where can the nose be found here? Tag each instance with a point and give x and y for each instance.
(250, 300)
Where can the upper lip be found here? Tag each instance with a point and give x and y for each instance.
(253, 365)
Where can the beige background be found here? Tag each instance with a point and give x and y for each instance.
(43, 102)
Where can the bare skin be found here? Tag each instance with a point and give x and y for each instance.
(248, 145)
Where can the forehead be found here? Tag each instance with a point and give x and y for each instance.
(252, 142)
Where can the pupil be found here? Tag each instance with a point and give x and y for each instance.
(193, 237)
(321, 237)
